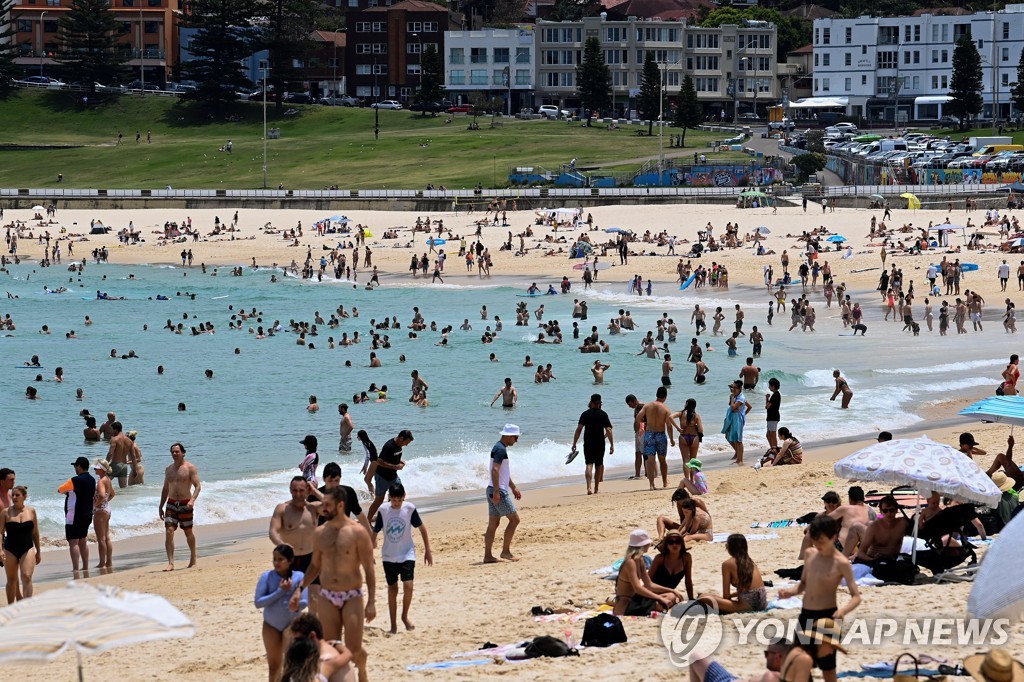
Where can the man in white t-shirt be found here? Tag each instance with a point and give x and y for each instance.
(499, 497)
(1004, 275)
(397, 552)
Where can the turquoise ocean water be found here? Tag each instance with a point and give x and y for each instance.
(242, 428)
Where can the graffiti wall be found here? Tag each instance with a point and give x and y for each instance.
(854, 173)
(730, 176)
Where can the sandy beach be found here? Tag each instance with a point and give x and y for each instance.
(565, 535)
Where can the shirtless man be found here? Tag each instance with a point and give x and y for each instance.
(345, 429)
(6, 485)
(697, 317)
(883, 537)
(598, 371)
(855, 516)
(824, 569)
(739, 320)
(417, 381)
(181, 488)
(508, 394)
(657, 436)
(293, 523)
(119, 453)
(749, 375)
(342, 556)
(105, 427)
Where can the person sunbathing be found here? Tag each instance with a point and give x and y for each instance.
(790, 451)
(1005, 462)
(739, 571)
(635, 593)
(783, 660)
(679, 497)
(882, 539)
(673, 563)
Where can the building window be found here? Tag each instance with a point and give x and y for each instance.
(672, 79)
(478, 77)
(363, 91)
(379, 27)
(413, 48)
(457, 77)
(848, 59)
(981, 44)
(501, 55)
(848, 83)
(1005, 79)
(944, 82)
(405, 92)
(156, 3)
(380, 69)
(129, 3)
(380, 48)
(364, 48)
(363, 70)
(362, 27)
(614, 34)
(456, 56)
(498, 78)
(412, 69)
(568, 79)
(478, 55)
(825, 58)
(413, 26)
(906, 57)
(863, 80)
(430, 27)
(1006, 30)
(522, 76)
(888, 60)
(522, 55)
(863, 49)
(1005, 54)
(917, 56)
(945, 56)
(849, 35)
(706, 84)
(24, 26)
(917, 33)
(826, 36)
(151, 26)
(824, 84)
(816, 59)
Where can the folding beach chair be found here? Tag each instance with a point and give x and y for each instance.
(942, 557)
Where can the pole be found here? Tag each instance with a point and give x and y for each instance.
(42, 45)
(142, 54)
(661, 123)
(265, 69)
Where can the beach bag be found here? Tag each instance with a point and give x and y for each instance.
(897, 676)
(546, 645)
(603, 630)
(901, 570)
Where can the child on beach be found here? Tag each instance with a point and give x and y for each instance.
(273, 591)
(398, 553)
(824, 569)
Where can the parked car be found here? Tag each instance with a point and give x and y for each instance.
(340, 101)
(551, 111)
(460, 109)
(749, 116)
(138, 85)
(180, 87)
(41, 81)
(257, 96)
(949, 122)
(784, 124)
(386, 104)
(297, 98)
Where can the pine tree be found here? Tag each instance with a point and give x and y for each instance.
(594, 79)
(649, 100)
(89, 47)
(285, 28)
(689, 112)
(965, 85)
(8, 70)
(431, 78)
(222, 41)
(1017, 92)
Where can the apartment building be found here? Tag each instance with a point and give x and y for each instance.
(499, 63)
(733, 67)
(899, 68)
(148, 35)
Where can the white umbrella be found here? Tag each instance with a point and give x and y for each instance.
(37, 207)
(1016, 243)
(89, 619)
(998, 590)
(921, 463)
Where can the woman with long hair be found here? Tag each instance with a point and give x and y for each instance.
(691, 431)
(370, 455)
(301, 662)
(674, 564)
(20, 529)
(274, 589)
(101, 513)
(635, 593)
(739, 571)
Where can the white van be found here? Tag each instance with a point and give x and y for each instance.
(898, 145)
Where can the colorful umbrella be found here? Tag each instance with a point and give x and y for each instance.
(836, 239)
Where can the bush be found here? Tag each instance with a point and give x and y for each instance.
(808, 164)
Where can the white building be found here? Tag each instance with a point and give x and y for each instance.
(496, 62)
(904, 64)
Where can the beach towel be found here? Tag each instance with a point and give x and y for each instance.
(781, 523)
(790, 603)
(882, 674)
(449, 664)
(722, 537)
(566, 617)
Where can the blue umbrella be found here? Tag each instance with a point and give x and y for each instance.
(836, 239)
(340, 219)
(616, 229)
(763, 230)
(1002, 409)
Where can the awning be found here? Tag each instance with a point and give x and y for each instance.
(932, 99)
(820, 103)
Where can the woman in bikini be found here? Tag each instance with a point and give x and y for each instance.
(691, 430)
(101, 513)
(20, 529)
(673, 564)
(635, 593)
(739, 571)
(842, 387)
(1010, 376)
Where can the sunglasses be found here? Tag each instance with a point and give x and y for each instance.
(673, 542)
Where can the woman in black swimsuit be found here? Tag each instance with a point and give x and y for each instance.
(20, 529)
(635, 593)
(673, 563)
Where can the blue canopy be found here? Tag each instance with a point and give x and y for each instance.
(1002, 409)
(1015, 187)
(340, 219)
(836, 239)
(615, 229)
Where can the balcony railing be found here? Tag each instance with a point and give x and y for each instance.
(457, 59)
(522, 80)
(478, 59)
(478, 80)
(457, 80)
(522, 59)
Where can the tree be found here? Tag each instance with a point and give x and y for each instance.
(223, 39)
(806, 164)
(791, 32)
(965, 85)
(689, 112)
(431, 78)
(649, 99)
(7, 47)
(1016, 92)
(89, 47)
(594, 79)
(285, 28)
(574, 10)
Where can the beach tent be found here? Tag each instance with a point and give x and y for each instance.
(99, 228)
(925, 465)
(998, 590)
(1015, 187)
(88, 619)
(912, 201)
(616, 229)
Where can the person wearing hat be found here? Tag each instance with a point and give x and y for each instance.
(969, 446)
(994, 666)
(101, 512)
(595, 426)
(499, 494)
(1008, 501)
(78, 492)
(635, 593)
(783, 660)
(1004, 461)
(698, 483)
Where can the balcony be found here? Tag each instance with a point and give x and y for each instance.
(478, 59)
(459, 79)
(522, 59)
(457, 59)
(523, 80)
(478, 80)
(148, 53)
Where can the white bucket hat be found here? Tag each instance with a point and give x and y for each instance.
(510, 430)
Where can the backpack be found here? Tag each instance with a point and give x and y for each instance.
(546, 645)
(602, 630)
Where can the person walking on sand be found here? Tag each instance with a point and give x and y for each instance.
(842, 387)
(181, 488)
(499, 493)
(19, 527)
(735, 419)
(595, 426)
(342, 559)
(273, 592)
(101, 513)
(78, 496)
(398, 553)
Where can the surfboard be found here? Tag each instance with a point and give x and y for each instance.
(437, 242)
(27, 367)
(218, 297)
(689, 281)
(593, 266)
(968, 267)
(529, 295)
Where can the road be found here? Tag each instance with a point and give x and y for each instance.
(771, 146)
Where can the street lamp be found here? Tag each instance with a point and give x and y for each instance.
(42, 45)
(142, 55)
(736, 98)
(334, 40)
(265, 67)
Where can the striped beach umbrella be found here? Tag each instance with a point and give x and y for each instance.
(89, 619)
(1001, 409)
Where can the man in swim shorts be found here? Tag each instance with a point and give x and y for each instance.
(595, 426)
(181, 488)
(345, 429)
(656, 437)
(638, 439)
(342, 556)
(78, 507)
(292, 523)
(120, 450)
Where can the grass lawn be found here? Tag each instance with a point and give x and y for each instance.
(319, 146)
(954, 134)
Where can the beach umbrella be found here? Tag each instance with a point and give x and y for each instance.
(879, 197)
(836, 239)
(912, 200)
(340, 219)
(923, 464)
(763, 230)
(945, 228)
(1016, 243)
(90, 619)
(37, 207)
(998, 590)
(616, 229)
(1001, 409)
